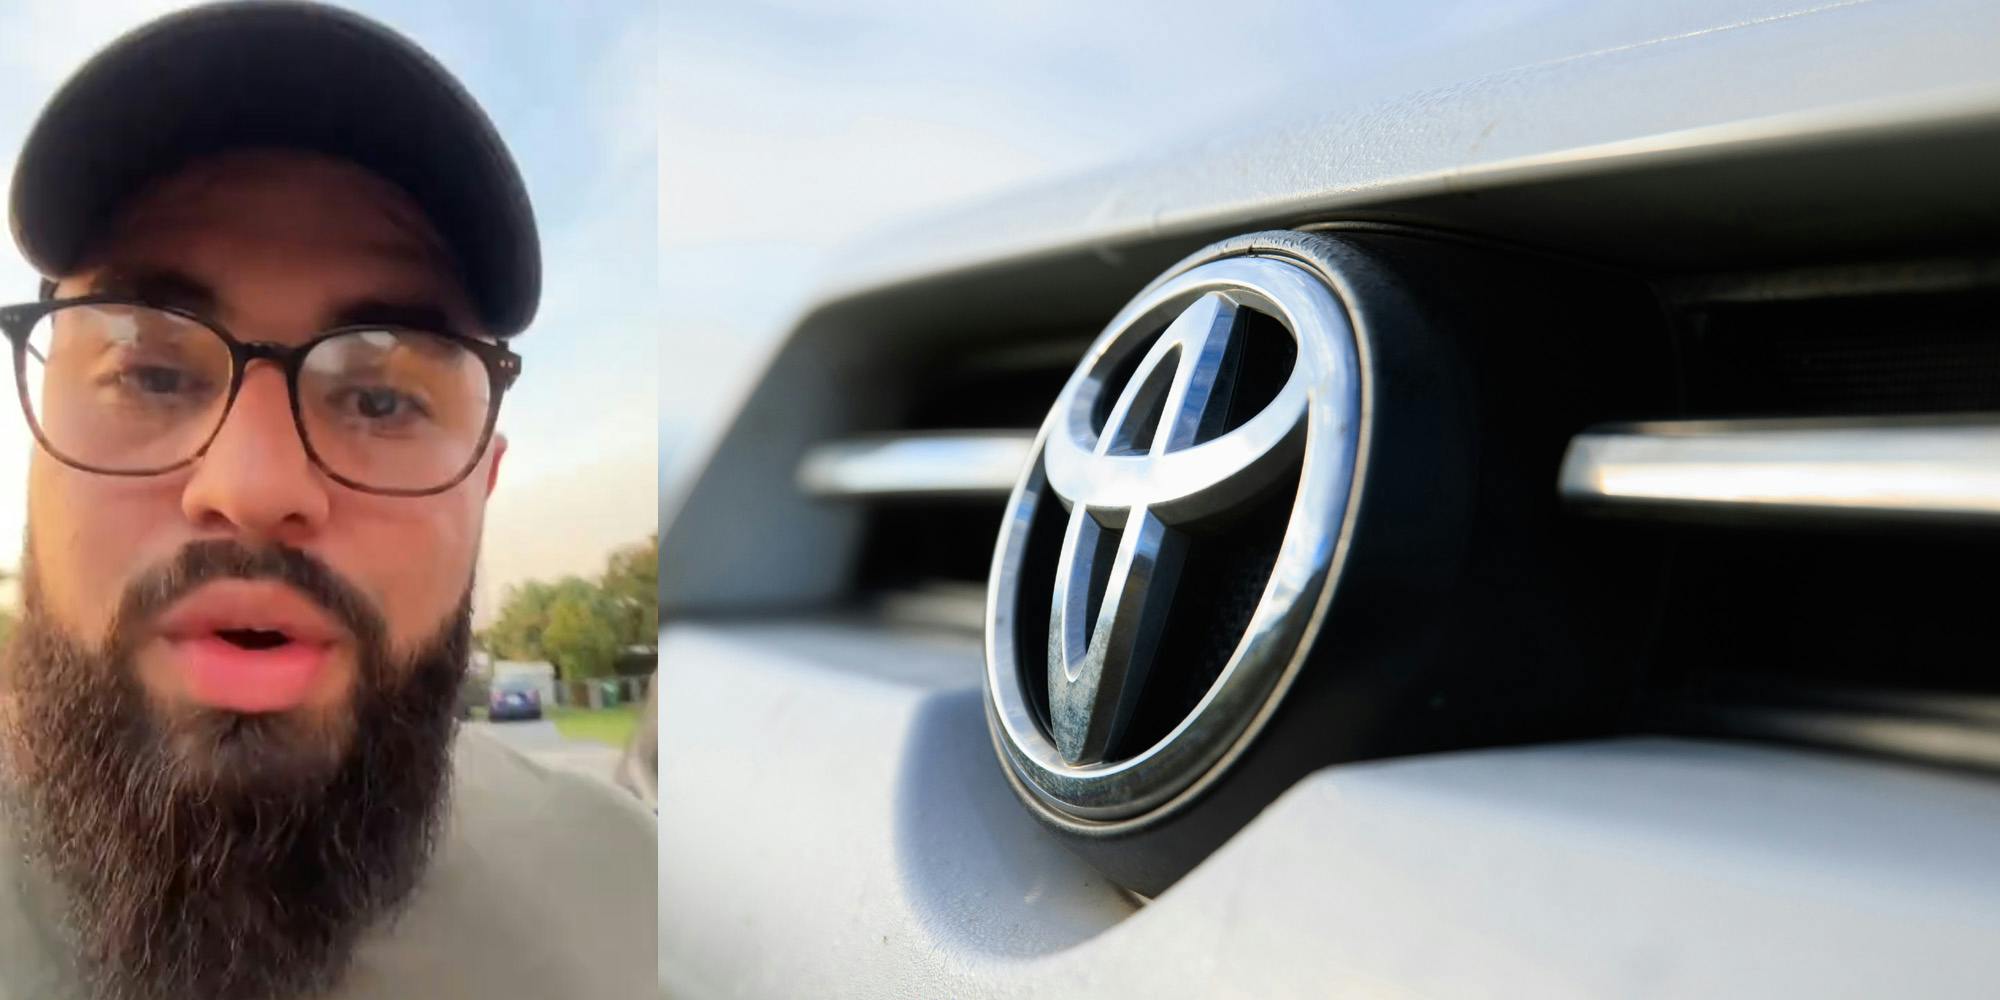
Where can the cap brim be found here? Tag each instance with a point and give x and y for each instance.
(288, 75)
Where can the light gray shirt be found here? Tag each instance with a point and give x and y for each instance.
(544, 885)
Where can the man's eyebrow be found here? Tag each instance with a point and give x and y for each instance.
(375, 312)
(156, 287)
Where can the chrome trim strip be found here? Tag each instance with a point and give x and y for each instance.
(1903, 468)
(944, 464)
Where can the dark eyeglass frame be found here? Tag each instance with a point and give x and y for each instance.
(503, 366)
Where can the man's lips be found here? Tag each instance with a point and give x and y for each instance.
(249, 645)
(260, 605)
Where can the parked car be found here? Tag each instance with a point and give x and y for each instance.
(514, 702)
(1513, 533)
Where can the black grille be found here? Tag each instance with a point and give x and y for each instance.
(1844, 627)
(1908, 612)
(912, 543)
(1860, 355)
(999, 387)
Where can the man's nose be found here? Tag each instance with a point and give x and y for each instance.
(255, 478)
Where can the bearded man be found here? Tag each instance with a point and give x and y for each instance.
(285, 251)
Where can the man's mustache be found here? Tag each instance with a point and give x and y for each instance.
(204, 562)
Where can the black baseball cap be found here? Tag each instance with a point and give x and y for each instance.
(287, 75)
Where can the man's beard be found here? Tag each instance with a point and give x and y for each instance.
(205, 853)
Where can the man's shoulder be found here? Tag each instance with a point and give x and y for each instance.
(544, 884)
(32, 959)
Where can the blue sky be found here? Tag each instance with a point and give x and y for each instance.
(572, 88)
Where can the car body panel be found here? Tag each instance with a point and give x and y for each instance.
(1757, 79)
(872, 849)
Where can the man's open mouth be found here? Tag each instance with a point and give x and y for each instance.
(249, 670)
(253, 638)
(250, 646)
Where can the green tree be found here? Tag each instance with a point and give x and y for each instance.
(517, 633)
(581, 638)
(631, 582)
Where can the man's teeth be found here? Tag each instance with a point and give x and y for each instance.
(253, 638)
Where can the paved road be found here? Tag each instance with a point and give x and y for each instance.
(543, 742)
(527, 737)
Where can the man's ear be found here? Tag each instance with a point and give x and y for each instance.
(496, 450)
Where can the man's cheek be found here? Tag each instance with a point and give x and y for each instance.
(66, 564)
(412, 556)
(89, 544)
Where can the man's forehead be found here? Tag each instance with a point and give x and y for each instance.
(289, 186)
(413, 306)
(188, 233)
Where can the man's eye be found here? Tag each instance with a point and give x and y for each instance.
(159, 381)
(378, 405)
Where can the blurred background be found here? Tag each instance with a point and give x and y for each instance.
(571, 88)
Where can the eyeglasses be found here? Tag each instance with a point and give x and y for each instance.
(123, 388)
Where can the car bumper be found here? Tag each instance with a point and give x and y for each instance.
(875, 836)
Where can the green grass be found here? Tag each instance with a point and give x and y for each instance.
(611, 726)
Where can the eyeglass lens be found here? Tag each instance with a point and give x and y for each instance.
(123, 388)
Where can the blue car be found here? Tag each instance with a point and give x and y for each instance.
(513, 703)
